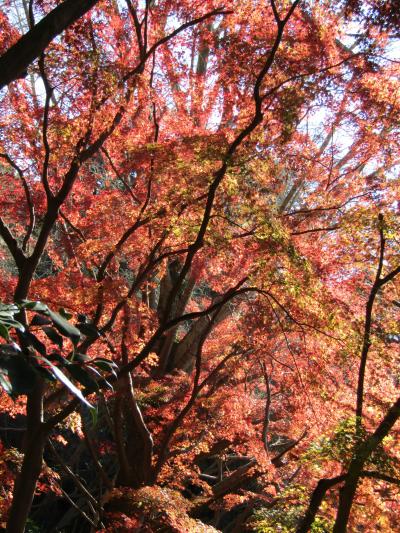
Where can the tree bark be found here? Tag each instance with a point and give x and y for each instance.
(15, 61)
(347, 493)
(25, 484)
(233, 481)
(317, 497)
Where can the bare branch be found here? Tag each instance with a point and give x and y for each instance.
(138, 28)
(120, 177)
(180, 29)
(368, 323)
(276, 461)
(324, 485)
(267, 407)
(15, 61)
(45, 125)
(12, 245)
(316, 230)
(72, 226)
(29, 200)
(275, 12)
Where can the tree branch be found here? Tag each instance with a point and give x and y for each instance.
(15, 61)
(29, 200)
(12, 245)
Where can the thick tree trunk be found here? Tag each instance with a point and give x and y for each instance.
(36, 435)
(26, 483)
(135, 449)
(166, 285)
(35, 440)
(346, 498)
(183, 353)
(139, 446)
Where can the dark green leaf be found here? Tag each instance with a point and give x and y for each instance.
(33, 341)
(81, 358)
(64, 313)
(9, 349)
(54, 356)
(64, 327)
(44, 371)
(67, 382)
(20, 374)
(108, 384)
(11, 323)
(81, 374)
(54, 336)
(39, 320)
(4, 332)
(106, 361)
(104, 366)
(89, 330)
(34, 306)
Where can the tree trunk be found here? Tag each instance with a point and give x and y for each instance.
(35, 436)
(346, 498)
(15, 61)
(136, 449)
(317, 497)
(25, 484)
(233, 481)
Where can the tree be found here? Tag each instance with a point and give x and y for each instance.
(364, 446)
(195, 184)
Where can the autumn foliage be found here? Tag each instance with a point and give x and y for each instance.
(200, 266)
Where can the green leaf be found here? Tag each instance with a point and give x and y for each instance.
(4, 332)
(6, 315)
(105, 366)
(94, 371)
(95, 416)
(89, 330)
(106, 361)
(34, 306)
(18, 376)
(9, 308)
(5, 384)
(81, 358)
(39, 320)
(11, 323)
(43, 371)
(33, 341)
(107, 383)
(64, 327)
(67, 382)
(53, 336)
(80, 374)
(54, 356)
(64, 313)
